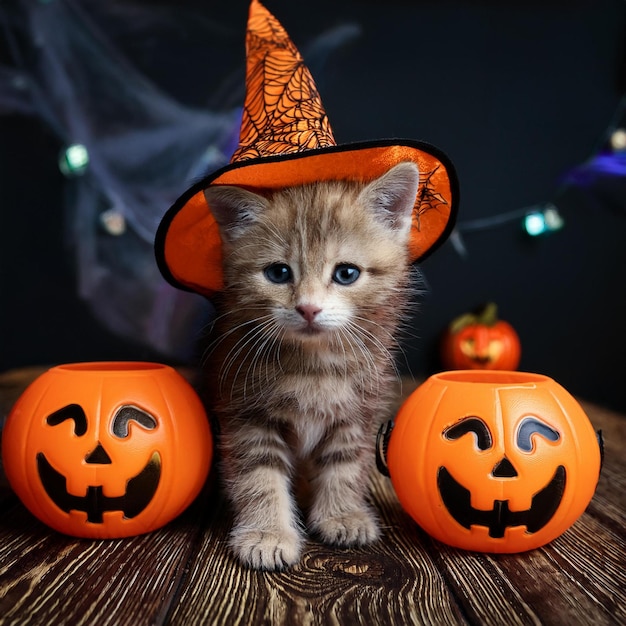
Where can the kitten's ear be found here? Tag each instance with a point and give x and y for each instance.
(392, 195)
(234, 209)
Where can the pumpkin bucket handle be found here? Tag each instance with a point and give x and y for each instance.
(601, 445)
(382, 444)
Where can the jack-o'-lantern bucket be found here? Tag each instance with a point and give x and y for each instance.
(493, 461)
(107, 449)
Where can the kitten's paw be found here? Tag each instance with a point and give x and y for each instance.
(266, 550)
(357, 528)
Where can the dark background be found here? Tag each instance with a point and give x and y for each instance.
(518, 94)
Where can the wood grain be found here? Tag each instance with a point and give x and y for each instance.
(385, 583)
(184, 574)
(52, 579)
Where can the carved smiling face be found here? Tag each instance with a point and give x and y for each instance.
(478, 346)
(101, 450)
(493, 461)
(457, 498)
(130, 482)
(480, 340)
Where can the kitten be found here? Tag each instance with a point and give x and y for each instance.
(316, 282)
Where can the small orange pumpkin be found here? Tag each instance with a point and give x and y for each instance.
(492, 461)
(480, 341)
(107, 449)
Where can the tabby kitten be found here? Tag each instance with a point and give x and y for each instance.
(315, 286)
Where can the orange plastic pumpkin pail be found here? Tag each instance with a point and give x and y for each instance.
(108, 449)
(494, 461)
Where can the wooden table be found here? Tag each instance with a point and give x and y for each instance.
(184, 574)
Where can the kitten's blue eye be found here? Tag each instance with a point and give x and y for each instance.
(346, 274)
(278, 273)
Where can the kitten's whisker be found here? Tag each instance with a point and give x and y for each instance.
(276, 360)
(222, 337)
(336, 338)
(261, 360)
(255, 335)
(381, 347)
(390, 333)
(258, 342)
(392, 338)
(243, 344)
(370, 373)
(253, 346)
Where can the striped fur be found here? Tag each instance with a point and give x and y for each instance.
(298, 399)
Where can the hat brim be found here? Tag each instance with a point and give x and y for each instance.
(188, 245)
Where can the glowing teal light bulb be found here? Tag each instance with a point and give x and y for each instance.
(545, 221)
(74, 160)
(553, 219)
(535, 224)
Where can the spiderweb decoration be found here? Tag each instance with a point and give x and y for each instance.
(141, 149)
(283, 111)
(428, 198)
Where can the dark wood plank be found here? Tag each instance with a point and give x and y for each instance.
(485, 593)
(594, 558)
(561, 583)
(393, 582)
(184, 574)
(565, 583)
(609, 501)
(47, 578)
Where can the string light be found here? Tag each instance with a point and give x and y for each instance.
(534, 224)
(538, 219)
(618, 140)
(608, 160)
(541, 222)
(113, 222)
(74, 160)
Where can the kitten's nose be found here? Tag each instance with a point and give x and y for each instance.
(308, 311)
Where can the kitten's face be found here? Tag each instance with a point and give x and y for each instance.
(316, 260)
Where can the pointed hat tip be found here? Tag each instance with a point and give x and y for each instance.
(283, 111)
(256, 8)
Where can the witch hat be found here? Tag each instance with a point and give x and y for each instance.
(285, 141)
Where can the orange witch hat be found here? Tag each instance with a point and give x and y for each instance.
(283, 112)
(286, 140)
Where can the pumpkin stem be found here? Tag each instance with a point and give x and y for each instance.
(460, 322)
(487, 315)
